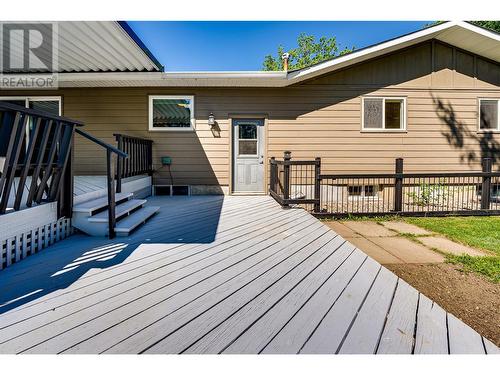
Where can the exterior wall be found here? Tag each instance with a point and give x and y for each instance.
(321, 118)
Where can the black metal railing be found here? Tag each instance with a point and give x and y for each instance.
(139, 161)
(110, 177)
(295, 182)
(400, 193)
(35, 159)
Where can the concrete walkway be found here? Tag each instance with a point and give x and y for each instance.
(392, 242)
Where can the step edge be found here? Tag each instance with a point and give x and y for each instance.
(104, 219)
(94, 208)
(153, 209)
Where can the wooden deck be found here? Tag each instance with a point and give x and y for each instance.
(220, 275)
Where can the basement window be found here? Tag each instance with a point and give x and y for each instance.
(171, 113)
(489, 119)
(383, 114)
(361, 191)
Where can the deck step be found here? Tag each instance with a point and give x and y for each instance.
(120, 210)
(125, 226)
(96, 204)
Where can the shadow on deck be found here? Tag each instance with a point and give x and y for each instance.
(65, 262)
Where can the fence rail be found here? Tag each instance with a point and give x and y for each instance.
(412, 194)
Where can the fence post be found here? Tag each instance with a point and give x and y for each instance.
(317, 184)
(398, 186)
(486, 185)
(287, 156)
(272, 175)
(119, 164)
(111, 194)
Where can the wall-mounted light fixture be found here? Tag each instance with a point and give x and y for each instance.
(211, 119)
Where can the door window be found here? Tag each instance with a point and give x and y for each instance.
(247, 139)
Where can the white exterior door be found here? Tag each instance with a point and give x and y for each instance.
(248, 155)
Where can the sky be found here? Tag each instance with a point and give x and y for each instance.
(242, 45)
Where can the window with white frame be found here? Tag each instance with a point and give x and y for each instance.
(48, 104)
(489, 119)
(384, 113)
(169, 113)
(354, 191)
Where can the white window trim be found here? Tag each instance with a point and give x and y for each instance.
(479, 130)
(27, 99)
(383, 129)
(173, 129)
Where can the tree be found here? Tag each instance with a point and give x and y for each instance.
(492, 25)
(308, 52)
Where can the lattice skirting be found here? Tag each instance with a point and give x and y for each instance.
(14, 249)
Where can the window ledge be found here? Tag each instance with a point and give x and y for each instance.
(383, 131)
(173, 130)
(489, 131)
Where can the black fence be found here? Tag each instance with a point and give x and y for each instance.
(139, 161)
(35, 159)
(301, 183)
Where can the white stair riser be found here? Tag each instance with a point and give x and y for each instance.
(87, 223)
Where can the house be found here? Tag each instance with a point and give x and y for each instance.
(431, 97)
(236, 274)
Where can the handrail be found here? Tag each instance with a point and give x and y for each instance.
(132, 137)
(109, 178)
(38, 113)
(102, 143)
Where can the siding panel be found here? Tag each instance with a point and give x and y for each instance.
(321, 117)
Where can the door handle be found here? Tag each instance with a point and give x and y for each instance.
(261, 159)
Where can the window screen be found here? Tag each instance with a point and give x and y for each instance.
(373, 113)
(49, 106)
(384, 113)
(488, 113)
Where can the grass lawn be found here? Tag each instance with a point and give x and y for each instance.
(478, 232)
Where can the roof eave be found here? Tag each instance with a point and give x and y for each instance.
(174, 79)
(385, 48)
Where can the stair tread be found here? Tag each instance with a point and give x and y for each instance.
(120, 210)
(98, 203)
(135, 219)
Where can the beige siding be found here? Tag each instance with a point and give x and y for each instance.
(317, 118)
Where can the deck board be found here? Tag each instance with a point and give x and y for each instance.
(431, 335)
(397, 337)
(210, 274)
(364, 335)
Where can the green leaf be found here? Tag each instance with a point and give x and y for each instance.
(308, 52)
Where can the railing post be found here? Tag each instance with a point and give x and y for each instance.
(111, 195)
(287, 156)
(68, 183)
(119, 165)
(150, 158)
(317, 184)
(486, 185)
(398, 186)
(272, 175)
